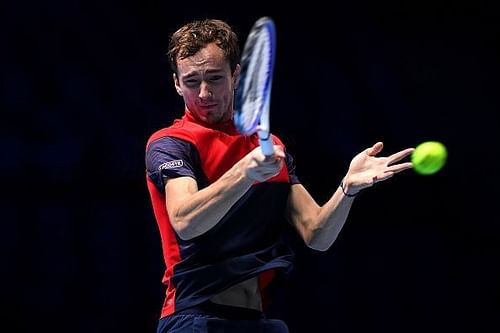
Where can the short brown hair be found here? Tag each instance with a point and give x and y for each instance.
(193, 36)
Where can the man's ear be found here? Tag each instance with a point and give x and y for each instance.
(236, 76)
(176, 84)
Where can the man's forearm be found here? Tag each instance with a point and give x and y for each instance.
(331, 219)
(202, 210)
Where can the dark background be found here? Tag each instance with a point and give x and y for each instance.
(84, 84)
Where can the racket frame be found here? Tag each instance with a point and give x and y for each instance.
(260, 122)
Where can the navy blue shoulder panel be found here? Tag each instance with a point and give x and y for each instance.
(170, 157)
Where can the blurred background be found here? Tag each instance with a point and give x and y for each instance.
(84, 83)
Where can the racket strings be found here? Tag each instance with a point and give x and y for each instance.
(257, 65)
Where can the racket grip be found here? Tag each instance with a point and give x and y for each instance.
(266, 145)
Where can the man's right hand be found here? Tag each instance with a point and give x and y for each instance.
(259, 167)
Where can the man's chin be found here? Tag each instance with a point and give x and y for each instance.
(215, 119)
(212, 117)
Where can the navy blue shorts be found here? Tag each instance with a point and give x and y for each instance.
(212, 318)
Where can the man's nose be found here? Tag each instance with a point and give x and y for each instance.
(205, 91)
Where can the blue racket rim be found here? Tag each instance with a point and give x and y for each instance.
(263, 25)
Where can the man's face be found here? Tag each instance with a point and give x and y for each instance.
(206, 83)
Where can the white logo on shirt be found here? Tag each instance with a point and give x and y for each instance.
(171, 165)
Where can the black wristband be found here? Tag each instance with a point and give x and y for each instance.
(345, 193)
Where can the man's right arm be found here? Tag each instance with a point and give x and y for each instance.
(193, 212)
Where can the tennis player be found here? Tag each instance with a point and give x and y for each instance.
(222, 206)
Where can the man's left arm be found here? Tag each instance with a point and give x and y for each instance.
(318, 226)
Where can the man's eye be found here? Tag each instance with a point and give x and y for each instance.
(191, 82)
(216, 78)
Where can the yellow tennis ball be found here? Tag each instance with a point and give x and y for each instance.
(429, 157)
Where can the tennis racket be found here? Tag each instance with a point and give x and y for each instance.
(253, 94)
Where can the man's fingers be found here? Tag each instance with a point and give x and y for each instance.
(375, 149)
(400, 167)
(278, 155)
(400, 155)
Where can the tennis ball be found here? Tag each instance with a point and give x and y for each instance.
(429, 157)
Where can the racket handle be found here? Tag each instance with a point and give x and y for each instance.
(266, 145)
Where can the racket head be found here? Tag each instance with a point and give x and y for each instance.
(252, 96)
